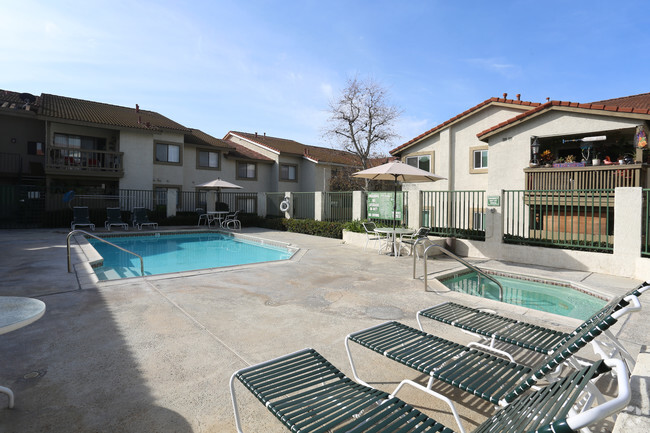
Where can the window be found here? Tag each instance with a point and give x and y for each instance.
(246, 170)
(423, 162)
(168, 153)
(208, 159)
(288, 172)
(480, 159)
(35, 148)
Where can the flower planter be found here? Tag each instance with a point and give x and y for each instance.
(568, 164)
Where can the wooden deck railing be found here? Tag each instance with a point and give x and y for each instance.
(83, 161)
(580, 178)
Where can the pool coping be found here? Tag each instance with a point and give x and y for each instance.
(535, 279)
(90, 258)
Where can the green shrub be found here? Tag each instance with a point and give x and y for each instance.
(327, 229)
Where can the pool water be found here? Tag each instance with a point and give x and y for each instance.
(180, 252)
(548, 297)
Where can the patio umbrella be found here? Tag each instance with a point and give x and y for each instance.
(397, 171)
(218, 184)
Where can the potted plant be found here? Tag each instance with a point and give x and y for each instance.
(546, 158)
(596, 159)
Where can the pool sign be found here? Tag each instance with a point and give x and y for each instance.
(380, 205)
(494, 200)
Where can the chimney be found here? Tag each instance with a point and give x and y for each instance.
(518, 96)
(548, 98)
(137, 108)
(265, 134)
(505, 95)
(255, 134)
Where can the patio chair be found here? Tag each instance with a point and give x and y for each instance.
(372, 235)
(410, 240)
(493, 327)
(231, 221)
(114, 218)
(81, 217)
(307, 393)
(140, 218)
(489, 376)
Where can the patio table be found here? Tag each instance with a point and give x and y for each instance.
(391, 237)
(15, 313)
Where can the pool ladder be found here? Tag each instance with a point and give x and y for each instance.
(101, 240)
(479, 272)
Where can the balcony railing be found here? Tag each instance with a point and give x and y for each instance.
(581, 178)
(62, 160)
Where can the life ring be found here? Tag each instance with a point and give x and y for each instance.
(284, 206)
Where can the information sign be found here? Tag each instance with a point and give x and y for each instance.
(380, 205)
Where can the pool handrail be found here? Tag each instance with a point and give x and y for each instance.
(455, 257)
(101, 240)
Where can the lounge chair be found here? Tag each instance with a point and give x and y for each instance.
(410, 240)
(308, 394)
(231, 221)
(485, 375)
(114, 218)
(140, 218)
(372, 235)
(494, 327)
(81, 217)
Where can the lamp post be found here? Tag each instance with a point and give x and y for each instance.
(535, 148)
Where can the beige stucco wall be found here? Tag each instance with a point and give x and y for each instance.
(451, 147)
(138, 160)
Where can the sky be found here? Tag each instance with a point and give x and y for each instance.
(274, 66)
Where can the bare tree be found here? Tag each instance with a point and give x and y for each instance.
(362, 119)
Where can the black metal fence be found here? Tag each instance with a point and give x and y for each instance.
(460, 214)
(337, 206)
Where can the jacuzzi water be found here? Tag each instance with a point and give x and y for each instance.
(165, 253)
(548, 297)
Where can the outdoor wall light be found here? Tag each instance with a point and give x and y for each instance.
(535, 148)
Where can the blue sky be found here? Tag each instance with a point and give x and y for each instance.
(272, 66)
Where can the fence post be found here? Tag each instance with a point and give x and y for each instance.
(318, 206)
(493, 225)
(628, 224)
(261, 204)
(358, 205)
(210, 200)
(414, 209)
(172, 200)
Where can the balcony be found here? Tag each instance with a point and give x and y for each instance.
(84, 162)
(602, 177)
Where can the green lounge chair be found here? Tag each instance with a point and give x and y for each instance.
(308, 394)
(490, 377)
(140, 218)
(114, 218)
(81, 217)
(494, 327)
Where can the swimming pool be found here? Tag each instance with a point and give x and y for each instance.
(544, 296)
(177, 252)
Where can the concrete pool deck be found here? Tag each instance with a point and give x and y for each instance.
(156, 353)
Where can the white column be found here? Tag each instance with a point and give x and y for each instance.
(289, 196)
(318, 205)
(261, 204)
(359, 207)
(628, 211)
(172, 200)
(414, 209)
(211, 199)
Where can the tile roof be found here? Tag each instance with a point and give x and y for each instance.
(641, 101)
(61, 107)
(237, 151)
(602, 106)
(316, 153)
(19, 101)
(463, 114)
(196, 136)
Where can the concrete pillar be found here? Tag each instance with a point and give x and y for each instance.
(414, 209)
(211, 199)
(359, 207)
(172, 201)
(261, 204)
(318, 206)
(494, 224)
(628, 214)
(289, 195)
